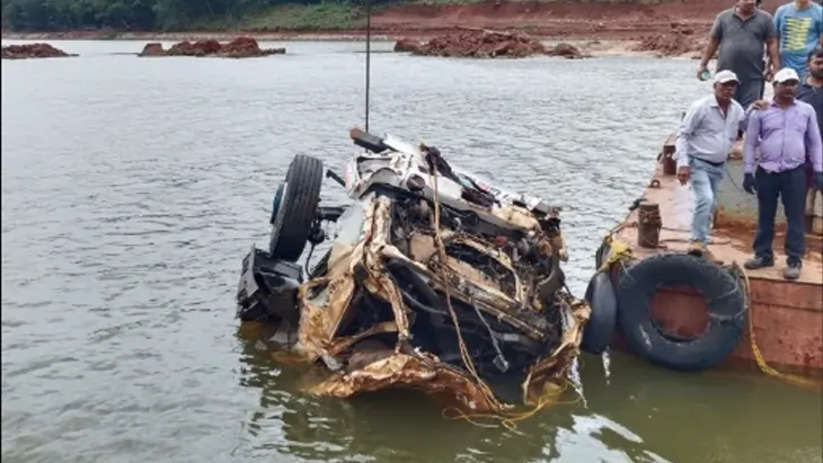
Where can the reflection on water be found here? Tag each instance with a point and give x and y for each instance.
(132, 188)
(408, 426)
(642, 415)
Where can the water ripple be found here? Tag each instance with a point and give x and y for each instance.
(132, 188)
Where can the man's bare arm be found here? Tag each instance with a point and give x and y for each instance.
(774, 57)
(711, 48)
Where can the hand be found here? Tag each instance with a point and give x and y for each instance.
(768, 76)
(818, 180)
(683, 174)
(760, 104)
(701, 70)
(748, 184)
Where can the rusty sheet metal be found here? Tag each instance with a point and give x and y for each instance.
(322, 313)
(384, 286)
(553, 368)
(326, 302)
(339, 345)
(313, 331)
(401, 370)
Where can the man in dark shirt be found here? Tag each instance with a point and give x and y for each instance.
(812, 89)
(741, 33)
(812, 92)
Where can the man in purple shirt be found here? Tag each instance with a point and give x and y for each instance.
(786, 133)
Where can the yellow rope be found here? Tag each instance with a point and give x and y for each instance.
(758, 356)
(618, 251)
(509, 419)
(464, 354)
(504, 417)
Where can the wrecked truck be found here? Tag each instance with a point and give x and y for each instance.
(434, 280)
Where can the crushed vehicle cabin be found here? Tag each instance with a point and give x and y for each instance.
(434, 281)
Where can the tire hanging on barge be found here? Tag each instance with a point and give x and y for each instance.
(724, 299)
(598, 332)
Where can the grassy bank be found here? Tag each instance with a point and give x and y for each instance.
(323, 16)
(343, 15)
(218, 15)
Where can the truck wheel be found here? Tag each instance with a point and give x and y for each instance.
(295, 207)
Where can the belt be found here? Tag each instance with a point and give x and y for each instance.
(775, 172)
(716, 164)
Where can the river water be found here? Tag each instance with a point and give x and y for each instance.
(132, 187)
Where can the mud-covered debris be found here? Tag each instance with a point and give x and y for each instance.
(241, 47)
(565, 50)
(153, 49)
(678, 42)
(407, 45)
(199, 48)
(33, 50)
(482, 44)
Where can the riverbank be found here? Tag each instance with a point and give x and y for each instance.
(590, 48)
(673, 28)
(595, 19)
(122, 345)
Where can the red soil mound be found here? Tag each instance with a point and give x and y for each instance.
(680, 40)
(34, 50)
(481, 44)
(478, 43)
(241, 47)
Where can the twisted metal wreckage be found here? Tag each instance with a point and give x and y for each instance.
(435, 281)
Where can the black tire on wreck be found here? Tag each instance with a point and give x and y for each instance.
(297, 208)
(720, 289)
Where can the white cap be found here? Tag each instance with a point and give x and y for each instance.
(725, 76)
(786, 74)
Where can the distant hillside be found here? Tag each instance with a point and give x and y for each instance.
(551, 17)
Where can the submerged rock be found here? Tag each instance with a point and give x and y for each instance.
(241, 47)
(34, 50)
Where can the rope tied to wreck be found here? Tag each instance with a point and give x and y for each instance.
(503, 413)
(509, 419)
(441, 249)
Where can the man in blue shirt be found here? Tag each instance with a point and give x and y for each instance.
(800, 28)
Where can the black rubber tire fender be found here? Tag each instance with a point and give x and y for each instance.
(601, 254)
(297, 208)
(598, 332)
(724, 299)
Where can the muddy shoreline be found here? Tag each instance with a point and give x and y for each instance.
(598, 46)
